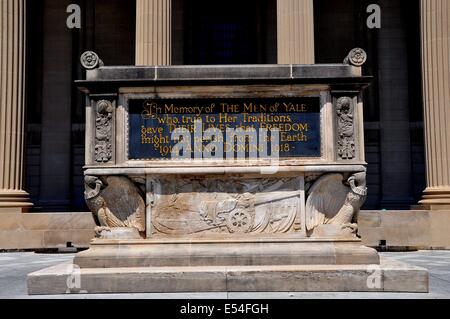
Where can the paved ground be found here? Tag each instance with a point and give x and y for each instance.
(15, 266)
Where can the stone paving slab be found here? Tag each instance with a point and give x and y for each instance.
(389, 276)
(14, 268)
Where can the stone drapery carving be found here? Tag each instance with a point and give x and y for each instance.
(233, 206)
(103, 131)
(345, 128)
(334, 201)
(117, 204)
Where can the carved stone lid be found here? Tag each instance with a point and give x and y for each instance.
(222, 72)
(108, 77)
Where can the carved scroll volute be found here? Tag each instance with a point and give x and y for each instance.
(103, 147)
(345, 128)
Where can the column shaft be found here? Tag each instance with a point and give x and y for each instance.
(295, 19)
(436, 91)
(153, 32)
(12, 105)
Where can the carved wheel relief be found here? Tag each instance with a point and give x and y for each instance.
(191, 207)
(240, 221)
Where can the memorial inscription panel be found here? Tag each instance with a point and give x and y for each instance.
(152, 122)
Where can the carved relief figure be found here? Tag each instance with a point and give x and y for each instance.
(103, 132)
(346, 139)
(116, 203)
(198, 207)
(334, 201)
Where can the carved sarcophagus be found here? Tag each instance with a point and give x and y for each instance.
(225, 153)
(226, 179)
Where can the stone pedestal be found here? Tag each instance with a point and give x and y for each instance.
(277, 251)
(436, 88)
(295, 31)
(153, 32)
(391, 277)
(12, 106)
(210, 209)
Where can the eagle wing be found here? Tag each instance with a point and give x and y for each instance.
(325, 198)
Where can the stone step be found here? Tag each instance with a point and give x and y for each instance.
(389, 276)
(145, 253)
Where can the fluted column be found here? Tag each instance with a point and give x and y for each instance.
(436, 91)
(295, 19)
(12, 105)
(153, 32)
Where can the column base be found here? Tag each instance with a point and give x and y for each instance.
(436, 199)
(13, 201)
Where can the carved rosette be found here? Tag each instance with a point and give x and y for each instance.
(345, 128)
(104, 131)
(356, 57)
(90, 60)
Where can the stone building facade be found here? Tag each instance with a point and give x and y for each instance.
(42, 113)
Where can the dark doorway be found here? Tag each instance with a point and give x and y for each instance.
(229, 32)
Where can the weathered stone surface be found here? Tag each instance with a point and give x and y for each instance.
(224, 225)
(282, 251)
(59, 238)
(224, 72)
(116, 202)
(200, 207)
(370, 219)
(440, 229)
(394, 277)
(46, 230)
(406, 229)
(331, 203)
(21, 239)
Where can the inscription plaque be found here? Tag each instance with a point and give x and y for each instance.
(152, 122)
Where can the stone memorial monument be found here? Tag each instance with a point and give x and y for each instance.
(226, 178)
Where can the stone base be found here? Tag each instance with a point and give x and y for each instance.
(245, 252)
(389, 276)
(433, 207)
(14, 201)
(45, 230)
(405, 230)
(263, 265)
